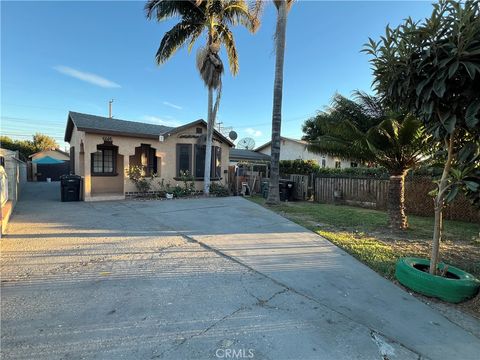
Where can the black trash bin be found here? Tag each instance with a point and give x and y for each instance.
(70, 187)
(286, 190)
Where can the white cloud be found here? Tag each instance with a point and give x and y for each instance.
(167, 120)
(87, 77)
(178, 107)
(253, 132)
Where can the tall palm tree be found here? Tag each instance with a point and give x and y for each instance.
(214, 17)
(283, 6)
(363, 130)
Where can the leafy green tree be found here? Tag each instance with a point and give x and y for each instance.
(215, 17)
(433, 70)
(28, 147)
(44, 142)
(365, 131)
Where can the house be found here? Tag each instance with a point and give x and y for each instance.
(239, 156)
(13, 173)
(293, 149)
(103, 149)
(48, 164)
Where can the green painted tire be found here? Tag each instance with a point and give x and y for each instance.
(454, 290)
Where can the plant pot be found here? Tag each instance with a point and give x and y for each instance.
(169, 196)
(455, 287)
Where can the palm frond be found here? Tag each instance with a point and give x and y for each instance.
(371, 105)
(237, 12)
(227, 39)
(410, 130)
(175, 38)
(165, 9)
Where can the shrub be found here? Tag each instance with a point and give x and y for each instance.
(217, 189)
(136, 174)
(301, 167)
(379, 172)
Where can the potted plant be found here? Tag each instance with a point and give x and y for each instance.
(433, 69)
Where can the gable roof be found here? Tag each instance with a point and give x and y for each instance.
(104, 125)
(48, 160)
(110, 126)
(242, 154)
(303, 142)
(53, 149)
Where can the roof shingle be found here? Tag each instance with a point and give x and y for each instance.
(100, 124)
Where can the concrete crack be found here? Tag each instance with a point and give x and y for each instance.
(288, 288)
(284, 286)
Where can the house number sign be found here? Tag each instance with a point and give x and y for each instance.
(107, 139)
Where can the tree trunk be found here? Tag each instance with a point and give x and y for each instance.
(439, 203)
(396, 202)
(208, 144)
(280, 34)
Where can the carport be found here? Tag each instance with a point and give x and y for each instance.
(48, 167)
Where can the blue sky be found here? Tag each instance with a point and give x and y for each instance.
(61, 56)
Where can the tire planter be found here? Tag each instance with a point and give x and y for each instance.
(456, 287)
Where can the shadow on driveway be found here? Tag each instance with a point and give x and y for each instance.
(185, 278)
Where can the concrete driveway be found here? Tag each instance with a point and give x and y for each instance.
(198, 279)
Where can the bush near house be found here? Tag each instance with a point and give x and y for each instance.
(218, 190)
(300, 167)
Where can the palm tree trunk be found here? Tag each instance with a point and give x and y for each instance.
(438, 203)
(396, 202)
(280, 35)
(208, 144)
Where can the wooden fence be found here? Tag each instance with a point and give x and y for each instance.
(373, 193)
(364, 192)
(301, 188)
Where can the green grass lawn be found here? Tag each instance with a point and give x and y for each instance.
(364, 234)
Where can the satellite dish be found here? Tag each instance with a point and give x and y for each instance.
(246, 143)
(232, 135)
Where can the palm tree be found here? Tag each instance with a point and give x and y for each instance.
(283, 6)
(215, 17)
(363, 130)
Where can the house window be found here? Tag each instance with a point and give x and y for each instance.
(199, 160)
(338, 164)
(353, 164)
(103, 161)
(184, 158)
(324, 163)
(145, 156)
(216, 162)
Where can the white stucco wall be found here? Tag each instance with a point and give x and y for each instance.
(292, 150)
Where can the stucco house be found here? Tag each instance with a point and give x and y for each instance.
(102, 150)
(293, 149)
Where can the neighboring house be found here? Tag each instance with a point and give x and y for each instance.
(51, 163)
(13, 173)
(248, 156)
(103, 149)
(248, 167)
(293, 149)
